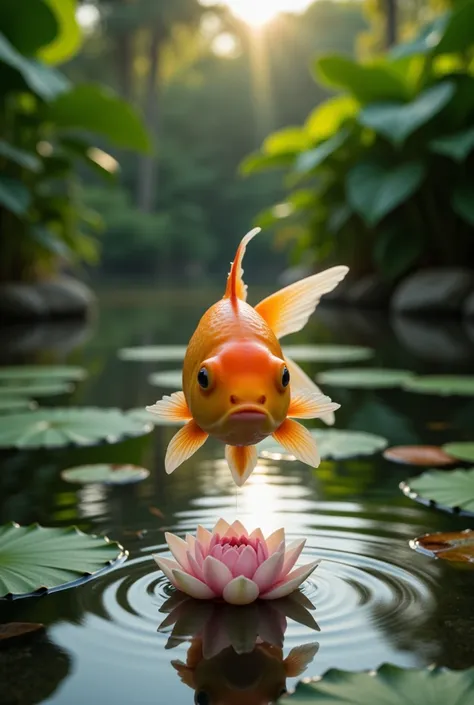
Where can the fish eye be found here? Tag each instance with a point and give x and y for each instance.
(203, 378)
(201, 698)
(285, 377)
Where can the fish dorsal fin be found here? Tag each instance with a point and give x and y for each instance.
(287, 311)
(236, 289)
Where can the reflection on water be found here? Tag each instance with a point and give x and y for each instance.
(375, 600)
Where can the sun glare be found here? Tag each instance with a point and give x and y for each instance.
(259, 12)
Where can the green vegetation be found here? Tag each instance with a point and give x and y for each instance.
(379, 175)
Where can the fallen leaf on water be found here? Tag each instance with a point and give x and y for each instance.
(156, 512)
(427, 456)
(17, 631)
(457, 546)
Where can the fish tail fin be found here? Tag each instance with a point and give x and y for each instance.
(236, 289)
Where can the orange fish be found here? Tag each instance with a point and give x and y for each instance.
(238, 386)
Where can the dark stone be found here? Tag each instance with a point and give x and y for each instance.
(21, 302)
(431, 340)
(442, 290)
(369, 292)
(61, 297)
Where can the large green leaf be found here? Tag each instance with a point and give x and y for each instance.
(397, 121)
(257, 162)
(374, 190)
(19, 156)
(105, 474)
(28, 36)
(365, 378)
(35, 559)
(367, 82)
(290, 140)
(14, 196)
(99, 110)
(332, 444)
(449, 490)
(461, 451)
(69, 38)
(328, 353)
(153, 353)
(35, 389)
(328, 117)
(457, 146)
(458, 35)
(42, 372)
(311, 159)
(444, 385)
(389, 685)
(394, 253)
(58, 427)
(425, 42)
(12, 404)
(43, 80)
(462, 201)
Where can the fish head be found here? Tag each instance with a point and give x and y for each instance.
(241, 393)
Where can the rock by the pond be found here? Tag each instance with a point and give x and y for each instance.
(434, 290)
(369, 291)
(59, 297)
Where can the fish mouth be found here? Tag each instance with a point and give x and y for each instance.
(248, 413)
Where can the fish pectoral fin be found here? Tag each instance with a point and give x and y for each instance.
(300, 382)
(183, 445)
(241, 461)
(235, 283)
(298, 441)
(299, 659)
(307, 405)
(287, 311)
(172, 408)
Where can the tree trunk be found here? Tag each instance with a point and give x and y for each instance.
(147, 167)
(391, 26)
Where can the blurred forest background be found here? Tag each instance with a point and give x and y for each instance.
(203, 85)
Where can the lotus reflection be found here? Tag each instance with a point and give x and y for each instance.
(236, 652)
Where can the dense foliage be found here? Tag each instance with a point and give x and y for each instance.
(380, 176)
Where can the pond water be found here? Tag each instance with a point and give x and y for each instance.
(373, 598)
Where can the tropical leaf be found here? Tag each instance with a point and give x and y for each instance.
(389, 685)
(328, 353)
(374, 190)
(289, 140)
(333, 444)
(59, 427)
(365, 378)
(14, 196)
(397, 121)
(395, 253)
(366, 82)
(172, 379)
(425, 456)
(40, 372)
(450, 490)
(461, 451)
(69, 38)
(19, 156)
(309, 160)
(105, 474)
(457, 36)
(328, 117)
(35, 559)
(457, 146)
(153, 353)
(443, 385)
(456, 546)
(462, 201)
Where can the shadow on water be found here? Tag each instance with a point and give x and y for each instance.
(375, 599)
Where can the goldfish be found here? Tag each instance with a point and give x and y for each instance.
(238, 385)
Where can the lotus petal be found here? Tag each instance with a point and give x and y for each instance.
(192, 586)
(267, 573)
(240, 591)
(216, 574)
(291, 582)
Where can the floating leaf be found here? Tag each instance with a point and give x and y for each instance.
(427, 456)
(444, 385)
(457, 546)
(11, 404)
(389, 685)
(35, 559)
(172, 379)
(58, 427)
(48, 372)
(328, 353)
(460, 451)
(332, 444)
(449, 490)
(153, 353)
(15, 632)
(365, 378)
(35, 389)
(145, 416)
(105, 474)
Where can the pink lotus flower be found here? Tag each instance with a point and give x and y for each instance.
(231, 564)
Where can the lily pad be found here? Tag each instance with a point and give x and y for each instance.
(443, 385)
(11, 404)
(427, 456)
(365, 378)
(36, 390)
(455, 546)
(47, 372)
(461, 451)
(153, 353)
(105, 474)
(328, 353)
(333, 444)
(35, 559)
(172, 379)
(389, 685)
(58, 427)
(147, 417)
(450, 490)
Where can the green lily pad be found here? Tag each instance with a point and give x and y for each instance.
(460, 451)
(451, 491)
(12, 404)
(172, 379)
(35, 390)
(364, 378)
(58, 427)
(333, 444)
(147, 417)
(46, 372)
(105, 474)
(328, 353)
(443, 385)
(389, 685)
(35, 559)
(153, 353)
